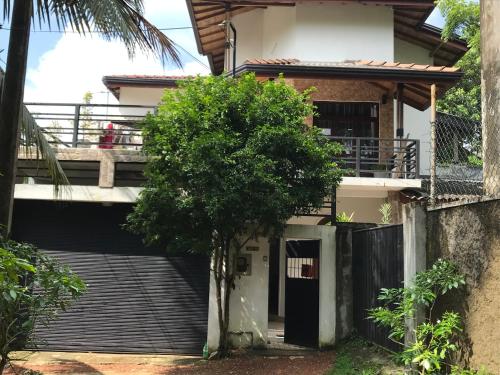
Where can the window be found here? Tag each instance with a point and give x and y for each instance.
(347, 119)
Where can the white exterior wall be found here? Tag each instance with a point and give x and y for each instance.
(141, 95)
(316, 32)
(416, 123)
(248, 303)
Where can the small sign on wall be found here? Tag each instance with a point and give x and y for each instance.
(252, 248)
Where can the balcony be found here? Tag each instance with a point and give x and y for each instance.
(103, 126)
(80, 132)
(379, 157)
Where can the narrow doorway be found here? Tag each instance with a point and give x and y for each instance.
(294, 294)
(302, 293)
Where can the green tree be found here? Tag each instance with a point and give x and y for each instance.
(113, 19)
(230, 159)
(462, 18)
(33, 289)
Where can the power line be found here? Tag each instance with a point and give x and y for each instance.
(91, 32)
(191, 55)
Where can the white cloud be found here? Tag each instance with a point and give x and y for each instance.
(77, 64)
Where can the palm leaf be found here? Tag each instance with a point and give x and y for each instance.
(35, 146)
(113, 19)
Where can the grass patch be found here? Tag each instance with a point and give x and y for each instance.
(358, 357)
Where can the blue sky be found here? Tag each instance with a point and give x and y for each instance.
(58, 58)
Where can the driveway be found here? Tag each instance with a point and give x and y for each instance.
(257, 363)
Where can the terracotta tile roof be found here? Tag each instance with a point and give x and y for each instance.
(355, 63)
(140, 76)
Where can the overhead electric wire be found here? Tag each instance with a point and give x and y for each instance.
(99, 32)
(91, 32)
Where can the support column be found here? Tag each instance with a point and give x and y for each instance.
(414, 248)
(107, 169)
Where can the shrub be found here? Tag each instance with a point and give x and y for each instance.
(435, 338)
(33, 289)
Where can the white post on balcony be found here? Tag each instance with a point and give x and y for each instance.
(433, 146)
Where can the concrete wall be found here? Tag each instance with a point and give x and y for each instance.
(469, 235)
(316, 32)
(406, 52)
(248, 323)
(141, 95)
(416, 123)
(248, 303)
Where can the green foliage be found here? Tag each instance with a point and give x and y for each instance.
(226, 155)
(462, 18)
(344, 218)
(460, 371)
(435, 337)
(474, 161)
(386, 212)
(33, 288)
(355, 356)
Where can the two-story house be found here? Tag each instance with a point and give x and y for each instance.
(375, 65)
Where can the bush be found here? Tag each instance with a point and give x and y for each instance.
(33, 289)
(435, 338)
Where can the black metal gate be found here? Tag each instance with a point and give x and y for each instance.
(137, 300)
(377, 262)
(302, 293)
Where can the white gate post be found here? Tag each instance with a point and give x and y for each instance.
(414, 245)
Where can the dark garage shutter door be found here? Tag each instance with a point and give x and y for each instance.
(138, 300)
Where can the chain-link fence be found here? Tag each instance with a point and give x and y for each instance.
(463, 169)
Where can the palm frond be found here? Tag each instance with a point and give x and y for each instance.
(113, 19)
(35, 146)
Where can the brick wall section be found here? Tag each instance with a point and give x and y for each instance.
(350, 91)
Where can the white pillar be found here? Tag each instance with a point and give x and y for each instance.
(414, 245)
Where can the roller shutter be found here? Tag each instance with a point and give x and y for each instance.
(138, 299)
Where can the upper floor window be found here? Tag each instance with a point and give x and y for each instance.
(347, 119)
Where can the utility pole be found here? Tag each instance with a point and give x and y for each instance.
(490, 89)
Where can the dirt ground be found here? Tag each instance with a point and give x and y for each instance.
(311, 363)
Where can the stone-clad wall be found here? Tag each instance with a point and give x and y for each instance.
(469, 235)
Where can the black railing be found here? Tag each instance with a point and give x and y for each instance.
(118, 126)
(379, 157)
(90, 125)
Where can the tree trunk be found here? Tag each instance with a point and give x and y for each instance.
(10, 106)
(223, 280)
(490, 77)
(3, 363)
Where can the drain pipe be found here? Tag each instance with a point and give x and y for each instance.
(234, 47)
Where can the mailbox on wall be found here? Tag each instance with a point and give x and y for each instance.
(244, 264)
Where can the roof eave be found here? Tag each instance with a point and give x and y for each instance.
(352, 72)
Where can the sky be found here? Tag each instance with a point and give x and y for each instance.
(62, 67)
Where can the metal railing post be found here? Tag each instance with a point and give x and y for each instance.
(76, 125)
(358, 157)
(417, 158)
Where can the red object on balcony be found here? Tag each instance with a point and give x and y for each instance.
(106, 140)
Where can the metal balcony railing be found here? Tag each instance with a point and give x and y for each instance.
(90, 125)
(379, 157)
(109, 126)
